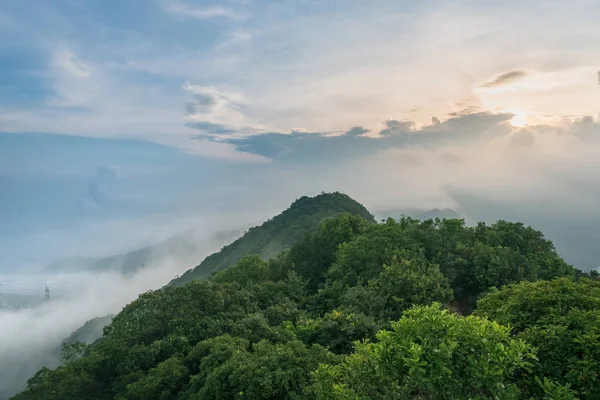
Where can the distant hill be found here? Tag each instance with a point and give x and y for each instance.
(418, 213)
(16, 300)
(260, 329)
(183, 245)
(90, 331)
(279, 233)
(445, 213)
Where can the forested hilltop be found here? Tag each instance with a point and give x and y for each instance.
(278, 233)
(353, 309)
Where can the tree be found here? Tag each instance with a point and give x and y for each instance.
(403, 283)
(257, 329)
(250, 269)
(562, 319)
(72, 351)
(430, 353)
(160, 383)
(312, 256)
(269, 371)
(337, 330)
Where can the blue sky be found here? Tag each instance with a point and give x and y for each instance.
(115, 111)
(137, 68)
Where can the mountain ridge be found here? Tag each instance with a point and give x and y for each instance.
(282, 231)
(324, 314)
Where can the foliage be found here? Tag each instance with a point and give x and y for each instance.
(72, 351)
(269, 371)
(248, 327)
(279, 233)
(473, 259)
(401, 284)
(162, 382)
(430, 353)
(562, 319)
(250, 269)
(336, 330)
(311, 256)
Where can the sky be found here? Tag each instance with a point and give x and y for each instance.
(124, 122)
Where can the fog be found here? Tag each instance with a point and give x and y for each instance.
(29, 337)
(482, 167)
(477, 164)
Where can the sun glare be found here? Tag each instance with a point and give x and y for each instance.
(519, 120)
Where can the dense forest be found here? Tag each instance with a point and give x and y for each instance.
(352, 309)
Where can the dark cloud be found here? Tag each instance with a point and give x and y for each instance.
(465, 109)
(394, 127)
(210, 128)
(598, 77)
(203, 103)
(190, 108)
(587, 120)
(523, 138)
(206, 100)
(301, 146)
(477, 121)
(356, 131)
(435, 120)
(505, 78)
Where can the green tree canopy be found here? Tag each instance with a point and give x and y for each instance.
(434, 354)
(258, 328)
(562, 319)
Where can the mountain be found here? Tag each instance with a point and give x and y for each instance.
(181, 246)
(90, 331)
(418, 213)
(278, 233)
(444, 213)
(348, 311)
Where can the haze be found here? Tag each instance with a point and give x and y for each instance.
(125, 123)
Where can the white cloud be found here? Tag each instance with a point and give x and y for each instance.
(215, 112)
(30, 336)
(376, 62)
(566, 92)
(69, 63)
(179, 7)
(72, 80)
(210, 100)
(234, 38)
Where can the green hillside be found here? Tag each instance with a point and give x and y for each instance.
(402, 309)
(279, 233)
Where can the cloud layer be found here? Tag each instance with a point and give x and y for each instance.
(505, 78)
(298, 68)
